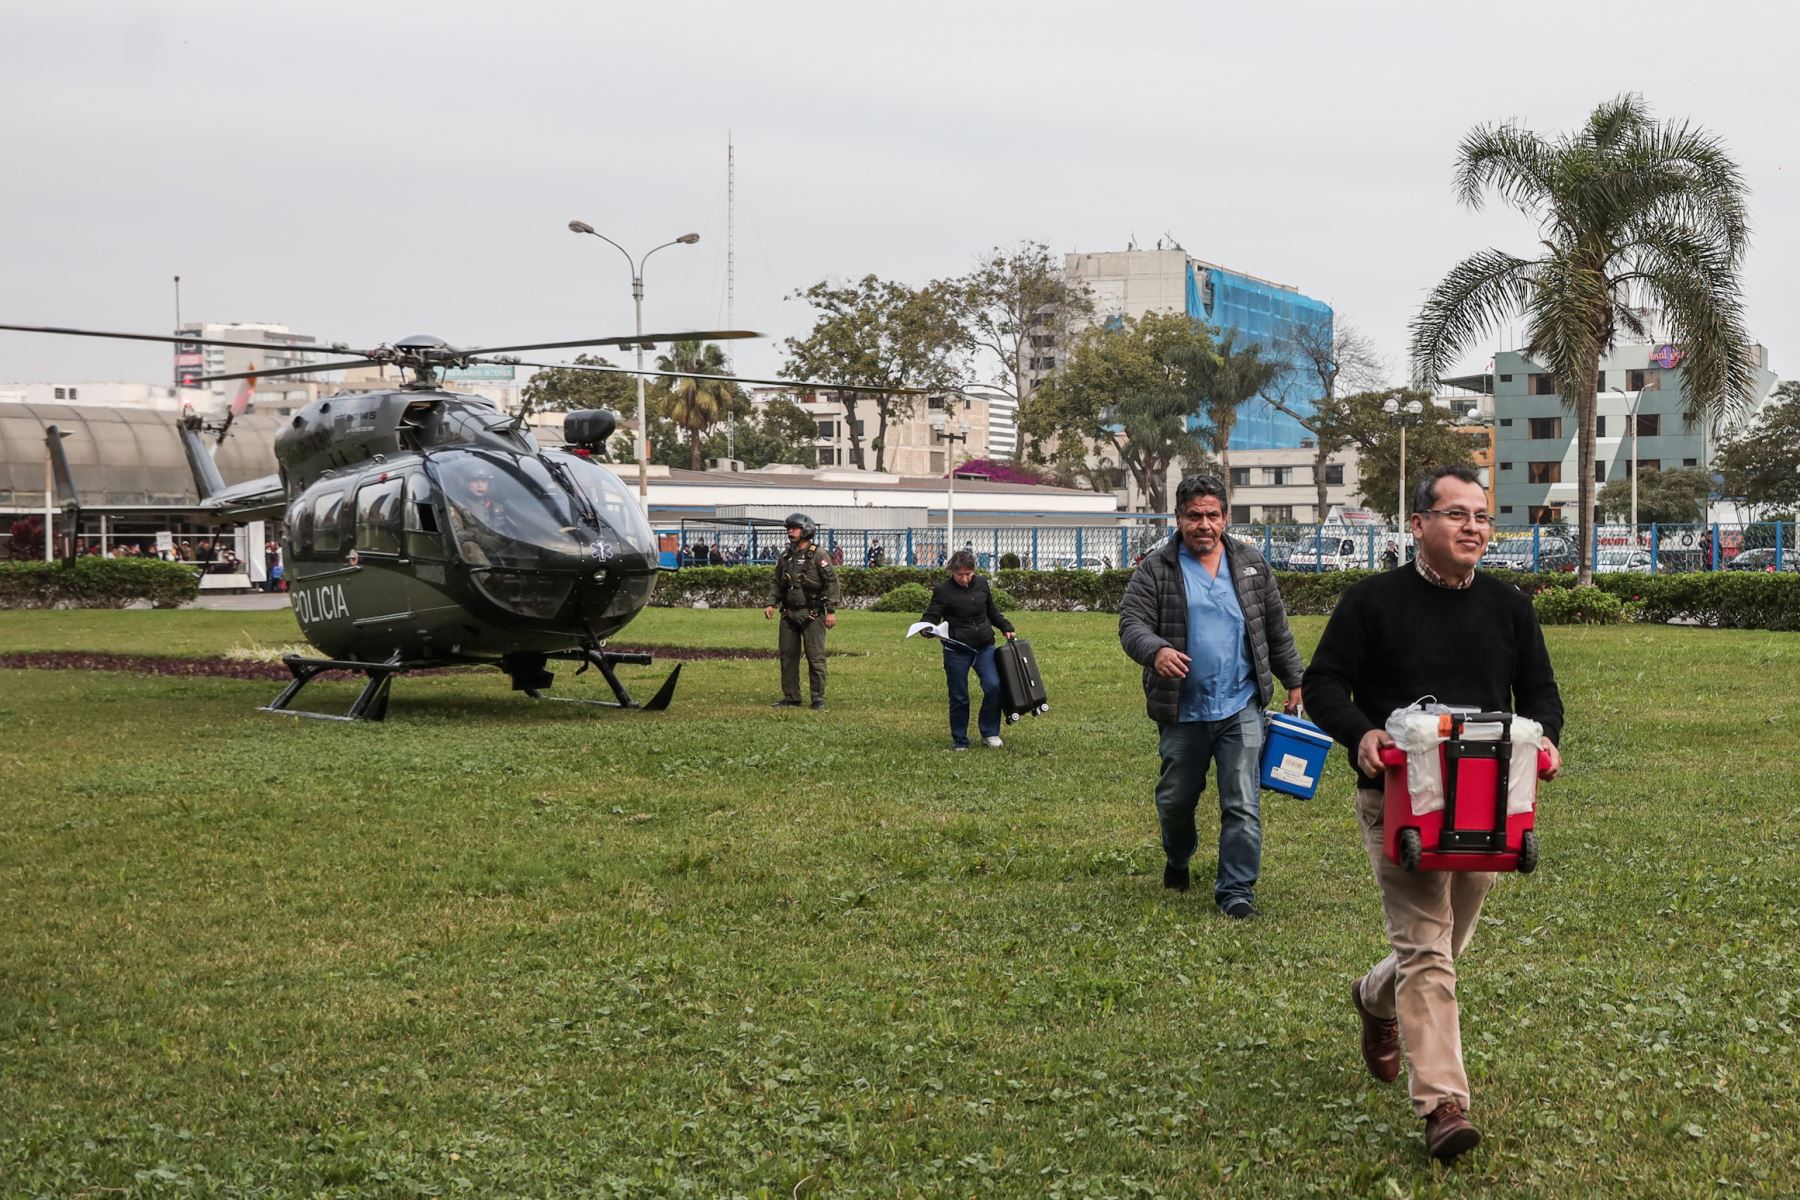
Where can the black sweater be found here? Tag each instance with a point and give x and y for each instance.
(1397, 637)
(970, 610)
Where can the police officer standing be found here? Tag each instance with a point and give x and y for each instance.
(805, 592)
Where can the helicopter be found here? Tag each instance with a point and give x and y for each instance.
(426, 528)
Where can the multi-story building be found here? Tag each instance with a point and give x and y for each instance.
(1535, 436)
(285, 348)
(1130, 283)
(1279, 487)
(914, 445)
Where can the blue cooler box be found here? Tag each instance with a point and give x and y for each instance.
(1293, 755)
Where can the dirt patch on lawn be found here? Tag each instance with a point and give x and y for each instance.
(236, 668)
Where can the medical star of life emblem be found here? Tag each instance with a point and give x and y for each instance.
(603, 551)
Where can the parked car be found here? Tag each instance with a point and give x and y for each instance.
(1088, 563)
(1622, 560)
(1762, 558)
(1329, 551)
(1552, 552)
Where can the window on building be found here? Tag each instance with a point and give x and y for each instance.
(1599, 427)
(1506, 466)
(1546, 427)
(1506, 379)
(860, 432)
(828, 429)
(1506, 422)
(1544, 472)
(1240, 477)
(1278, 514)
(1690, 462)
(1334, 473)
(1043, 341)
(62, 393)
(1599, 471)
(1600, 382)
(1542, 514)
(1634, 380)
(1506, 508)
(1276, 476)
(1543, 384)
(1645, 464)
(1240, 514)
(1649, 424)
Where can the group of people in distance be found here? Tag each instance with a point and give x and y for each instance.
(1203, 616)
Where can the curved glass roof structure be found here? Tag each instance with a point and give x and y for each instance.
(121, 456)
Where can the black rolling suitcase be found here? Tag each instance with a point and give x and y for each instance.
(1021, 687)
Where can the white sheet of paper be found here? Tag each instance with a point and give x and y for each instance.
(941, 629)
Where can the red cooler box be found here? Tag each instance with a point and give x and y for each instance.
(1472, 832)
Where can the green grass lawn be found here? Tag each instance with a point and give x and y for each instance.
(512, 949)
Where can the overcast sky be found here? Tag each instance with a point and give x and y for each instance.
(365, 171)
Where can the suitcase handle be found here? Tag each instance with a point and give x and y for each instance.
(1394, 756)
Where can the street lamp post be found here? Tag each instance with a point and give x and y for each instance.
(948, 430)
(1631, 423)
(1405, 416)
(637, 299)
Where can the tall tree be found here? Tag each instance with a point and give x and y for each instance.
(1219, 379)
(1016, 306)
(1673, 497)
(880, 334)
(1433, 442)
(1761, 461)
(557, 389)
(1627, 210)
(1131, 390)
(1336, 359)
(695, 405)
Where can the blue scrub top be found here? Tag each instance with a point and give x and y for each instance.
(1220, 680)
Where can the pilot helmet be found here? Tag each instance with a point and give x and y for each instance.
(809, 528)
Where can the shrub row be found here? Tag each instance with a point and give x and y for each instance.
(1723, 599)
(95, 582)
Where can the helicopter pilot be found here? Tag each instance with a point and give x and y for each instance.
(805, 593)
(482, 524)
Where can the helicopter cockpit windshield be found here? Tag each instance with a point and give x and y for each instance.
(508, 512)
(614, 503)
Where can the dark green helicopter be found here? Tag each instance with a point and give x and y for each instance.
(426, 528)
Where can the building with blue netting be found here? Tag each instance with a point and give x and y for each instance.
(1130, 283)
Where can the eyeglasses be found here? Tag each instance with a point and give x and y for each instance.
(1462, 516)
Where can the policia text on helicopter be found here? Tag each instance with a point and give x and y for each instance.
(805, 593)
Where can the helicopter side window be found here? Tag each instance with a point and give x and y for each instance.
(299, 524)
(378, 517)
(327, 537)
(422, 537)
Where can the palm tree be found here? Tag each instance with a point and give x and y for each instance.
(1221, 378)
(1627, 209)
(696, 405)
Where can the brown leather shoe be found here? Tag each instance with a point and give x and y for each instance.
(1380, 1040)
(1448, 1133)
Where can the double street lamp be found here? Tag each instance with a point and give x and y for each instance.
(948, 429)
(1631, 423)
(637, 297)
(1405, 416)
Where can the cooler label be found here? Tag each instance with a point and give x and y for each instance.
(1292, 769)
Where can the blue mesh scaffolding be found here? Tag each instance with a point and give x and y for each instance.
(1259, 312)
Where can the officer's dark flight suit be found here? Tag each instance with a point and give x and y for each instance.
(805, 589)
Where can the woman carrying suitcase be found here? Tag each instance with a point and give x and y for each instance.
(966, 602)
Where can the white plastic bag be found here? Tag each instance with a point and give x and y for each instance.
(1415, 730)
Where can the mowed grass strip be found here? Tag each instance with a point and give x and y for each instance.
(507, 948)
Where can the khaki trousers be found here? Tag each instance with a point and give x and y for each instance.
(1431, 915)
(793, 642)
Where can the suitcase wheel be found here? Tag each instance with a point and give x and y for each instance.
(1012, 718)
(1043, 708)
(1411, 848)
(1528, 852)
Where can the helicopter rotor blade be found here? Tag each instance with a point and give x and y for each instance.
(181, 341)
(272, 371)
(706, 335)
(805, 385)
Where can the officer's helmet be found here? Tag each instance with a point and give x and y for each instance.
(809, 528)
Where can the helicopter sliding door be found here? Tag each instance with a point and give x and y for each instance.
(424, 541)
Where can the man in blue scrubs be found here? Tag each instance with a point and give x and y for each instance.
(1205, 619)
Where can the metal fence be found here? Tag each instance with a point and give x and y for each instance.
(1646, 549)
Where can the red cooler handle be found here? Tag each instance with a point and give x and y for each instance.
(1392, 756)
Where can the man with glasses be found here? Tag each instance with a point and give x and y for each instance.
(1204, 618)
(1432, 627)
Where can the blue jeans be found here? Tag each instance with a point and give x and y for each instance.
(1235, 743)
(957, 664)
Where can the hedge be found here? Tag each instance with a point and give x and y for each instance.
(1724, 599)
(96, 582)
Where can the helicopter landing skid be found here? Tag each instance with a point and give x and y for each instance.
(370, 704)
(606, 660)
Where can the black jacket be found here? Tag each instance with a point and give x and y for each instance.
(970, 610)
(1154, 615)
